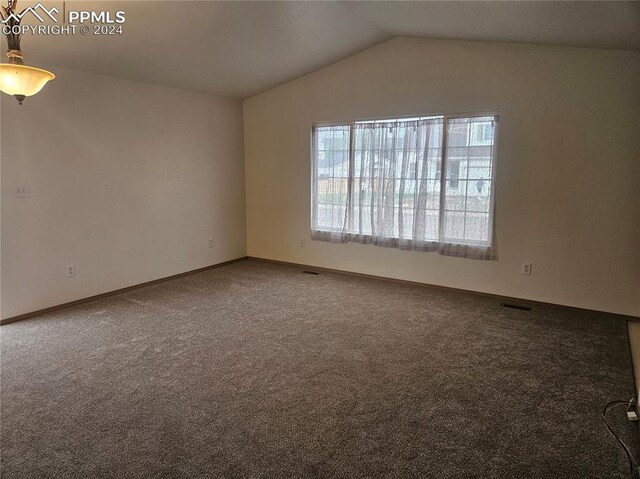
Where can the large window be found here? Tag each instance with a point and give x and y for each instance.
(423, 183)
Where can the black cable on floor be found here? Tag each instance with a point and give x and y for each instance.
(633, 466)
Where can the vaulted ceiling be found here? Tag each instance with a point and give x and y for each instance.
(238, 49)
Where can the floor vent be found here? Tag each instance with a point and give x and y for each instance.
(520, 307)
(315, 273)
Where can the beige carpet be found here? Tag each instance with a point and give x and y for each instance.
(261, 371)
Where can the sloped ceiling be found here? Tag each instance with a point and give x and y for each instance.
(238, 49)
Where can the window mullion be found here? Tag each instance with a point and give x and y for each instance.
(443, 169)
(350, 177)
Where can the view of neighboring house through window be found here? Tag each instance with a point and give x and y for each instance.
(382, 182)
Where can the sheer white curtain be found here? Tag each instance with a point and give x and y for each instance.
(383, 182)
(467, 226)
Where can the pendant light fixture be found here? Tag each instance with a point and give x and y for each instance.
(16, 78)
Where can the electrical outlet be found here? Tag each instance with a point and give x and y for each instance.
(526, 269)
(21, 191)
(210, 243)
(71, 270)
(301, 243)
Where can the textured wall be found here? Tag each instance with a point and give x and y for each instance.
(128, 181)
(568, 164)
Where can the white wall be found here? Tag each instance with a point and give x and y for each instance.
(128, 181)
(568, 174)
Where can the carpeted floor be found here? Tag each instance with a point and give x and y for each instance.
(261, 371)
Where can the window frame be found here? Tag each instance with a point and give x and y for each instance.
(445, 125)
(490, 242)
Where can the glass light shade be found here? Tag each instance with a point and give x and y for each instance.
(21, 80)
